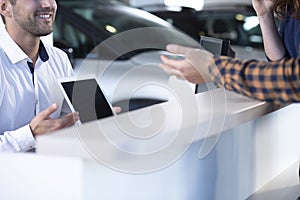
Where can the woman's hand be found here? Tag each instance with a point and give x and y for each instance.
(193, 68)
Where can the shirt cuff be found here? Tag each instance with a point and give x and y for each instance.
(24, 138)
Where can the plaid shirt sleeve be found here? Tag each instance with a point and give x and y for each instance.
(277, 82)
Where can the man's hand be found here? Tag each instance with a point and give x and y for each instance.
(42, 123)
(193, 68)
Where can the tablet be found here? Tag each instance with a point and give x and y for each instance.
(84, 95)
(217, 46)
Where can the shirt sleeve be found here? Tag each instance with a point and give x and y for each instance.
(277, 82)
(20, 140)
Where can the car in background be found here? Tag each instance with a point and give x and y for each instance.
(120, 45)
(232, 21)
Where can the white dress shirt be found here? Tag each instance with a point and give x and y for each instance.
(23, 94)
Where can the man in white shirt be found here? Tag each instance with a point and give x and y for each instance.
(30, 103)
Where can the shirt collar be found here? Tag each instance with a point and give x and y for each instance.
(14, 52)
(43, 53)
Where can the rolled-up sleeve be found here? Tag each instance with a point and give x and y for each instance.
(277, 82)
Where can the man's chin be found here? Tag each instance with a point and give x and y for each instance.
(44, 33)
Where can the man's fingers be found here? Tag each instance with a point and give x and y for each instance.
(117, 109)
(42, 123)
(68, 120)
(65, 121)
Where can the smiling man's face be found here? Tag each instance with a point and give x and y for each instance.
(34, 17)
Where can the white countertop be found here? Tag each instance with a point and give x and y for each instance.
(177, 123)
(215, 145)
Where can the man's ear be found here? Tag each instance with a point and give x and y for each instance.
(5, 8)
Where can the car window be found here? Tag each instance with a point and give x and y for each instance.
(81, 26)
(240, 27)
(68, 35)
(114, 19)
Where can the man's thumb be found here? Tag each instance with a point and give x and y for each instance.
(51, 109)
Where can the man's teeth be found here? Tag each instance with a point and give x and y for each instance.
(44, 16)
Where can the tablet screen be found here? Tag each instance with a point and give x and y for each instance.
(88, 99)
(217, 46)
